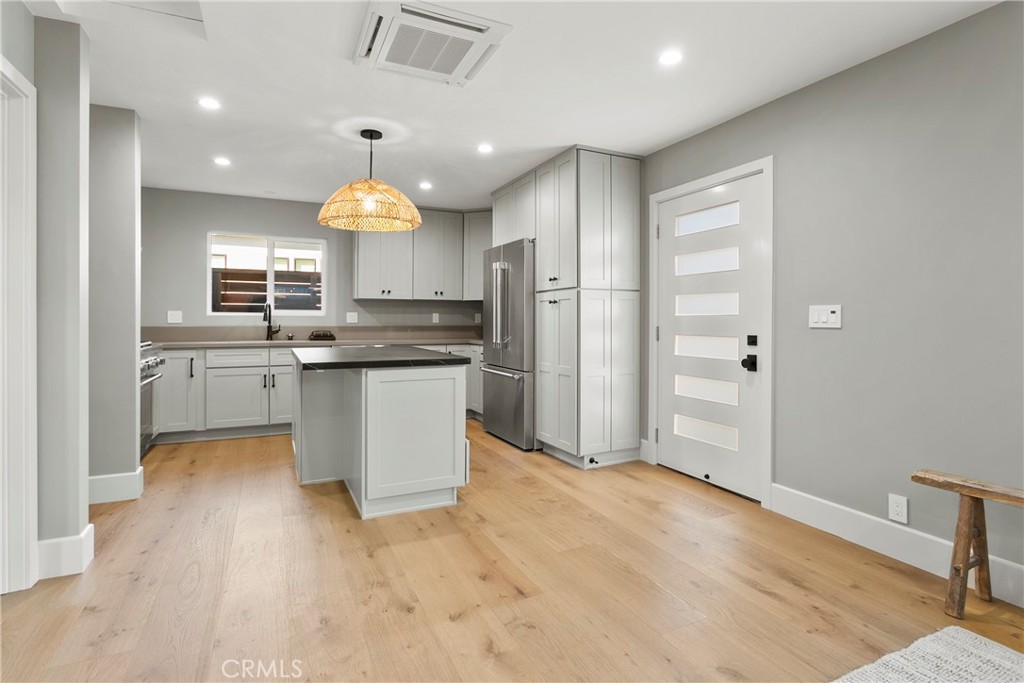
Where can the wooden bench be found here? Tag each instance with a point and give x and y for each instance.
(970, 545)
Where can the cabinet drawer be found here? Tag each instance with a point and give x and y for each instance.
(281, 357)
(237, 358)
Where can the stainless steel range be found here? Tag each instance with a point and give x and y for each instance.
(150, 361)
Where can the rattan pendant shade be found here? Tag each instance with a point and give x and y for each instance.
(370, 205)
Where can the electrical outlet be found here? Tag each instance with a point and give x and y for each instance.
(352, 317)
(435, 318)
(173, 317)
(476, 317)
(898, 508)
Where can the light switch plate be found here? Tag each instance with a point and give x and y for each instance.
(352, 317)
(435, 318)
(476, 317)
(825, 316)
(173, 317)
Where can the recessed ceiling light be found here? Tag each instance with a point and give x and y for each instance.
(222, 161)
(425, 185)
(484, 148)
(209, 103)
(670, 57)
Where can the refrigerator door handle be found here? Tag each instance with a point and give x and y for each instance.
(511, 375)
(496, 296)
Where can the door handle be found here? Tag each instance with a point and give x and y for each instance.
(191, 362)
(273, 381)
(264, 381)
(750, 363)
(511, 375)
(150, 380)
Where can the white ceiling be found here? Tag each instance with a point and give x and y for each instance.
(576, 72)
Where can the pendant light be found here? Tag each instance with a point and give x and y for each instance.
(369, 205)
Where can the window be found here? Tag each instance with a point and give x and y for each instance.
(293, 285)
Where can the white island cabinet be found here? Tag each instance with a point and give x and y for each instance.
(388, 421)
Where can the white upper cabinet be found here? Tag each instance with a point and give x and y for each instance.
(515, 210)
(475, 241)
(556, 252)
(383, 265)
(588, 222)
(625, 244)
(437, 256)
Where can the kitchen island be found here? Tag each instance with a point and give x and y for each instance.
(389, 421)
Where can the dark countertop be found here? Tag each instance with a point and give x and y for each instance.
(288, 343)
(339, 357)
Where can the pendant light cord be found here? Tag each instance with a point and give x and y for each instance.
(371, 157)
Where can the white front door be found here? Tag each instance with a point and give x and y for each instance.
(714, 315)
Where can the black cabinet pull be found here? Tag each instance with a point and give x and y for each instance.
(389, 291)
(750, 363)
(191, 371)
(273, 381)
(264, 381)
(435, 292)
(442, 293)
(382, 291)
(552, 279)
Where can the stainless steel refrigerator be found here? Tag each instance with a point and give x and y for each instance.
(508, 343)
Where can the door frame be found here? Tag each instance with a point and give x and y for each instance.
(764, 167)
(19, 524)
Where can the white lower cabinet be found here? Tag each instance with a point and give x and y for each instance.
(244, 390)
(237, 397)
(177, 391)
(282, 382)
(588, 374)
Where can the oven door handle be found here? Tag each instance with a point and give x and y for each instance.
(149, 380)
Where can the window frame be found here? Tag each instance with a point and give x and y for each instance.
(271, 242)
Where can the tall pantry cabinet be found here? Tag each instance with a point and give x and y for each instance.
(588, 307)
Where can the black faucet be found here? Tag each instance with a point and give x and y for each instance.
(268, 312)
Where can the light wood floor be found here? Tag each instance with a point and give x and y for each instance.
(541, 572)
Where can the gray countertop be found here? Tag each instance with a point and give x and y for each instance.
(340, 357)
(300, 343)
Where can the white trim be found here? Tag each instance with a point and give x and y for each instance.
(900, 542)
(325, 281)
(19, 553)
(765, 166)
(66, 555)
(107, 488)
(647, 453)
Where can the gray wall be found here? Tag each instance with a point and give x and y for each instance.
(62, 83)
(18, 36)
(898, 195)
(174, 229)
(115, 189)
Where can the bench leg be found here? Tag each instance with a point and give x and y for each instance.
(959, 567)
(982, 579)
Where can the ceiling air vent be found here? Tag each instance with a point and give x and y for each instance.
(427, 40)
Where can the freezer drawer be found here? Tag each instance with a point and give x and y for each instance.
(508, 405)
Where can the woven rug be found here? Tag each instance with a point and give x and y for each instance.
(953, 655)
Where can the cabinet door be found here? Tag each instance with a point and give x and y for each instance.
(595, 372)
(546, 399)
(450, 256)
(625, 370)
(625, 223)
(396, 264)
(566, 225)
(476, 240)
(426, 257)
(595, 220)
(524, 192)
(236, 397)
(475, 383)
(566, 368)
(369, 283)
(178, 392)
(546, 248)
(503, 217)
(415, 430)
(281, 388)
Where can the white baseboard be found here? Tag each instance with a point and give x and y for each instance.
(107, 488)
(66, 555)
(916, 548)
(646, 452)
